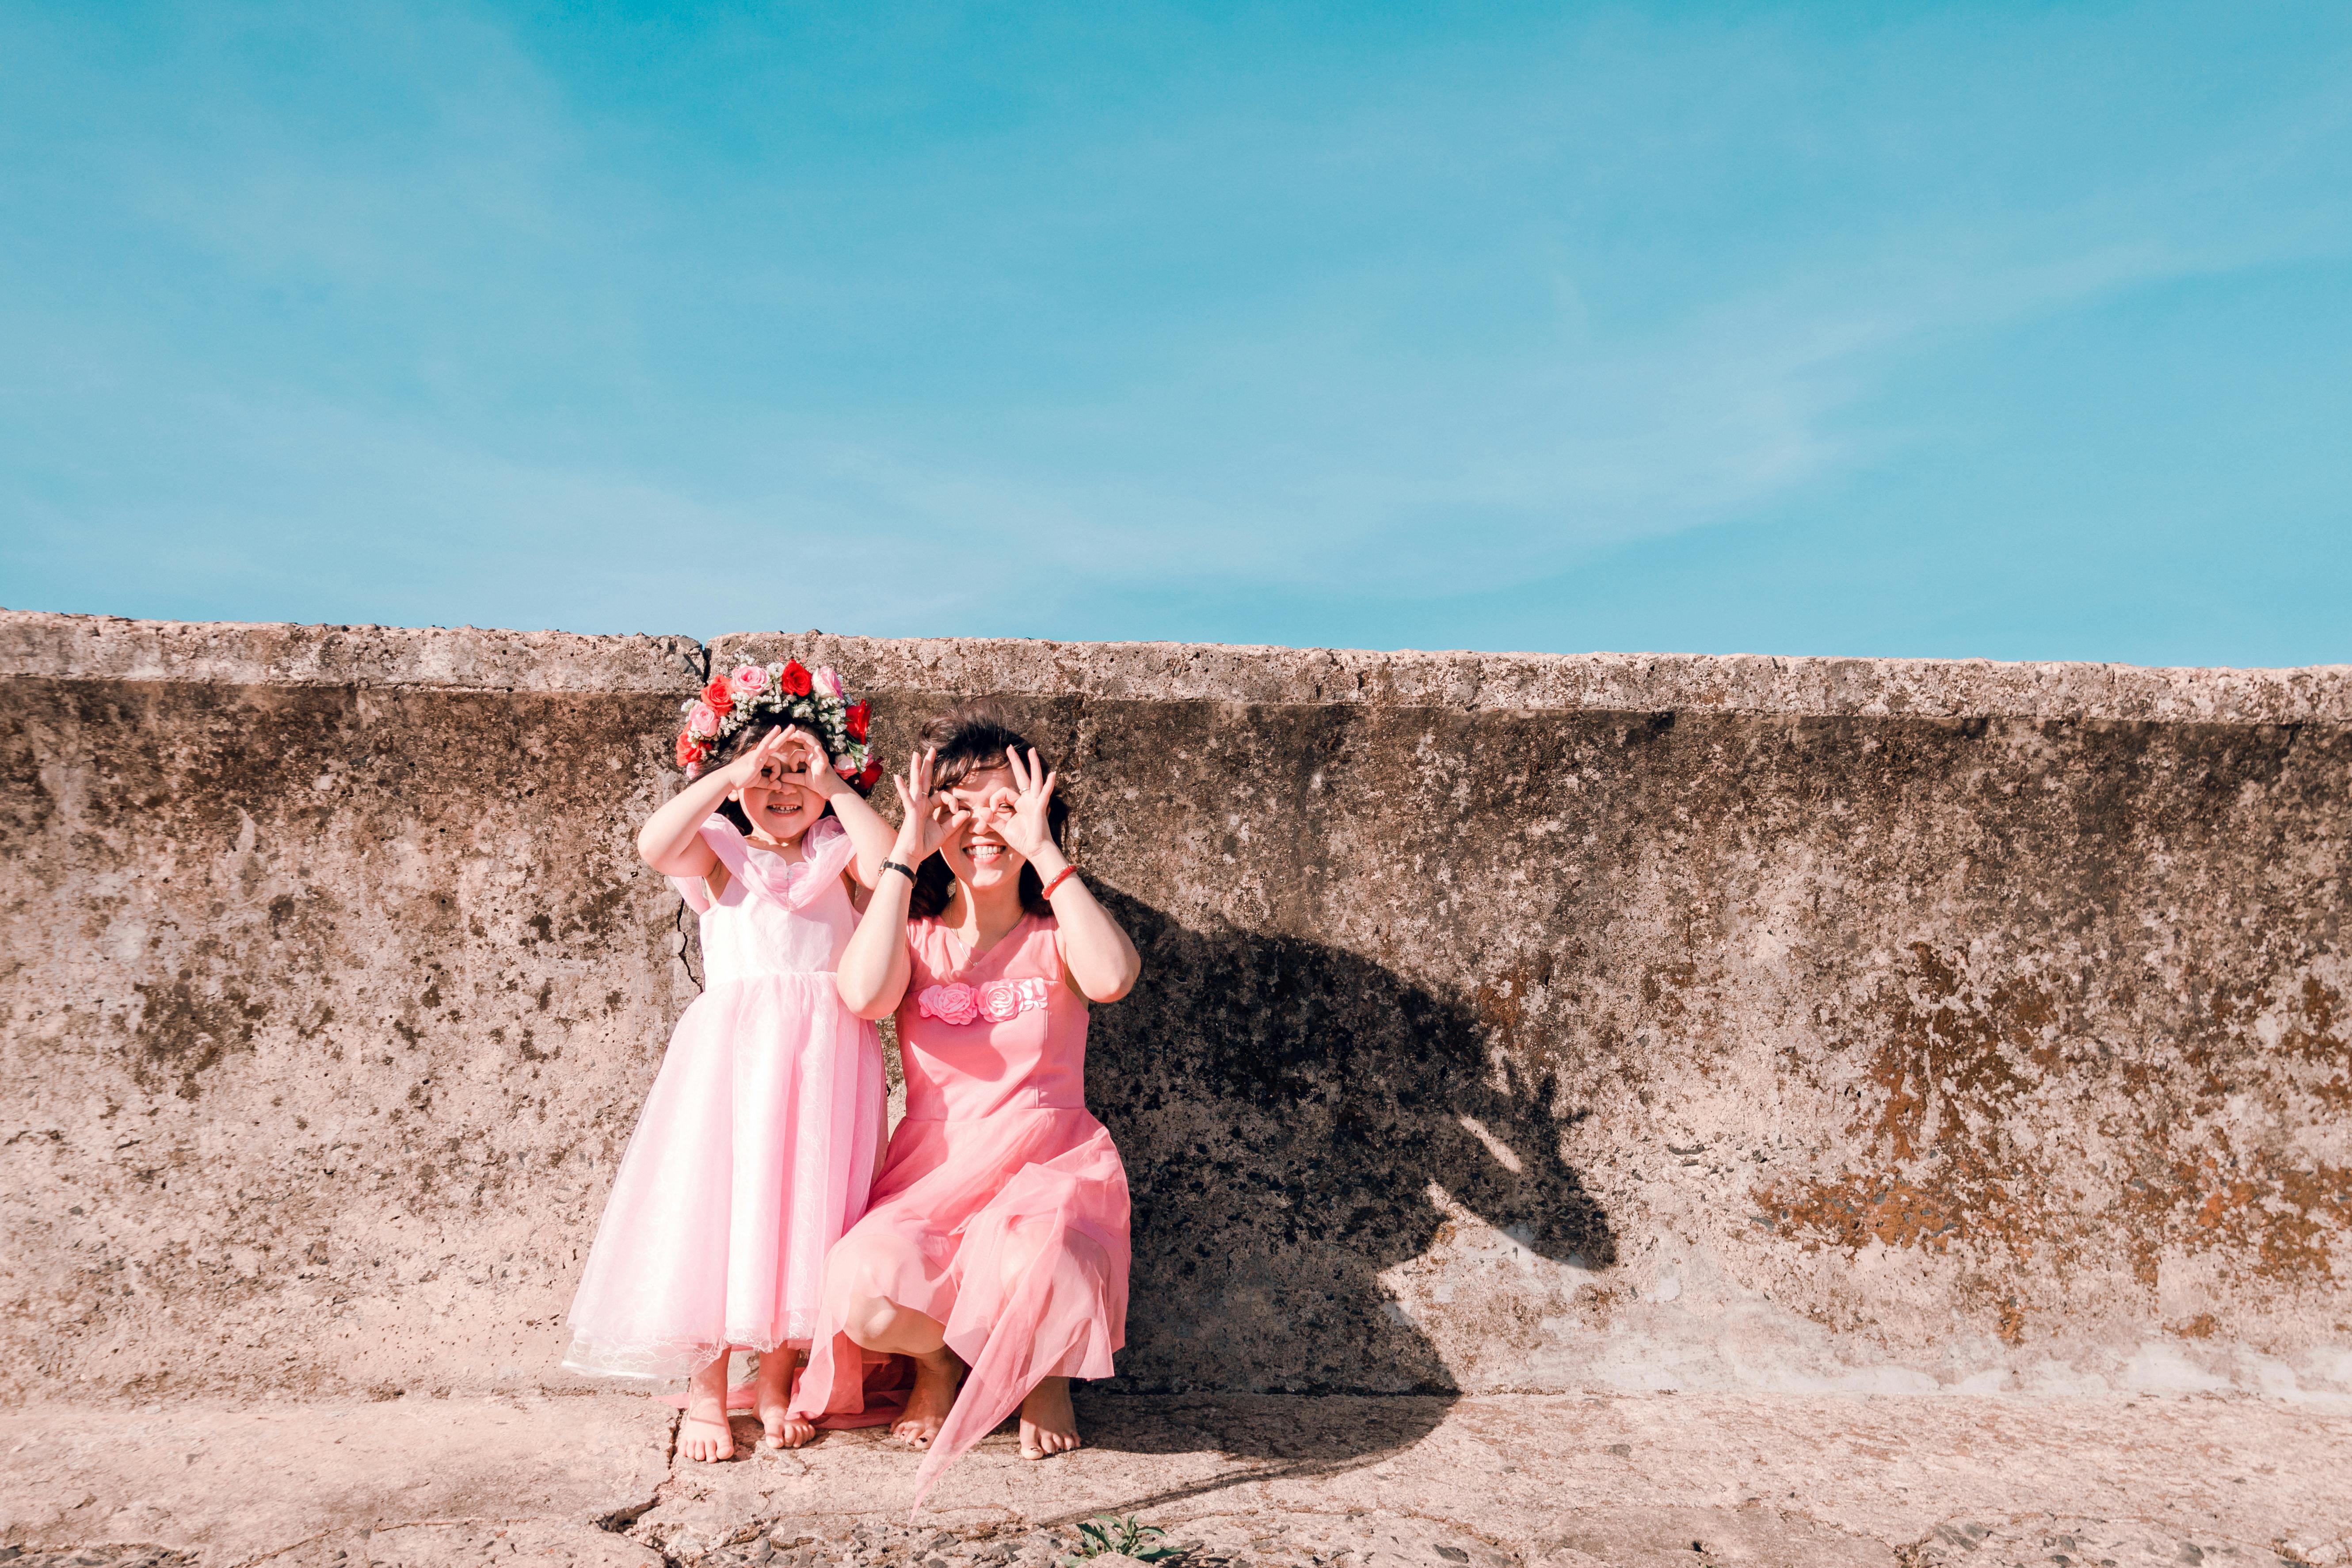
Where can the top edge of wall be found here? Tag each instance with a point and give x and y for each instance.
(105, 648)
(1627, 682)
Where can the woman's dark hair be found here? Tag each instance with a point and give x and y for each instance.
(970, 737)
(726, 750)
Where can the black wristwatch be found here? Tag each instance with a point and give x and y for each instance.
(894, 866)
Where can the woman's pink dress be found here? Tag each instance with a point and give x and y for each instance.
(756, 1147)
(1002, 1210)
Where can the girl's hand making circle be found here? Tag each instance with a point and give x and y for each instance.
(1026, 826)
(765, 763)
(804, 763)
(928, 821)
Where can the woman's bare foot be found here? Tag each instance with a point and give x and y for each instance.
(1048, 1424)
(937, 1377)
(704, 1435)
(774, 1392)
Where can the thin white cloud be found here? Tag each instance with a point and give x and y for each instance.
(523, 389)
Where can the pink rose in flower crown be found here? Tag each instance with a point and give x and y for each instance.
(827, 680)
(846, 766)
(954, 1003)
(691, 752)
(702, 720)
(749, 680)
(999, 1001)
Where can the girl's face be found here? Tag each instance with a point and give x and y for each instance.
(779, 809)
(976, 853)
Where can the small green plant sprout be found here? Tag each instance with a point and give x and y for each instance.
(1124, 1534)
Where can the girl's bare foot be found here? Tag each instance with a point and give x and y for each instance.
(774, 1392)
(937, 1377)
(1048, 1424)
(704, 1435)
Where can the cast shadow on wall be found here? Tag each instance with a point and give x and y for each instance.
(1285, 1109)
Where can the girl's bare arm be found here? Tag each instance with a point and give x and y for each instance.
(874, 969)
(671, 840)
(868, 833)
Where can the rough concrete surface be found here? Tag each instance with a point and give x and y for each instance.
(1492, 1481)
(1510, 1022)
(1632, 683)
(290, 1482)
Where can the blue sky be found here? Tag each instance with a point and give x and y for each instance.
(2014, 331)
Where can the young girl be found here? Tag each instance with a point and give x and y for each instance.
(758, 1143)
(996, 1252)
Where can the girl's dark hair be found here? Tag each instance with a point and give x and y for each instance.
(970, 737)
(726, 750)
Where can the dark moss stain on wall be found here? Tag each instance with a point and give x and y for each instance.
(2047, 999)
(292, 964)
(317, 997)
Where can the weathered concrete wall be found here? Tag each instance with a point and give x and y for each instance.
(1510, 1023)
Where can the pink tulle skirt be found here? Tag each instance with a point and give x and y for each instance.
(1011, 1229)
(754, 1151)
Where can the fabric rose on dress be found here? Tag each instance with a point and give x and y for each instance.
(827, 680)
(750, 679)
(794, 680)
(999, 1001)
(855, 718)
(721, 701)
(702, 720)
(955, 1003)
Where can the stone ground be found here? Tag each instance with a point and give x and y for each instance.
(1548, 1481)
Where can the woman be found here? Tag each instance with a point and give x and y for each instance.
(995, 1251)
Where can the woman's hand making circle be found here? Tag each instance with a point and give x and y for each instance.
(927, 821)
(1026, 826)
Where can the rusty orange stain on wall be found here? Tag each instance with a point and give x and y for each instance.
(1855, 1209)
(1957, 1048)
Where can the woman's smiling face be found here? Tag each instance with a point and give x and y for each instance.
(976, 852)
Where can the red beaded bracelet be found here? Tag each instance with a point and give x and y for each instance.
(1060, 876)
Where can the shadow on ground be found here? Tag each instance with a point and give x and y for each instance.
(1289, 1113)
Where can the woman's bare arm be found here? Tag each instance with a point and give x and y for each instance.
(1099, 960)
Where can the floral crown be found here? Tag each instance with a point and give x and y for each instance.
(786, 694)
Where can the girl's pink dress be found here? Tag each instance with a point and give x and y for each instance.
(756, 1147)
(1002, 1210)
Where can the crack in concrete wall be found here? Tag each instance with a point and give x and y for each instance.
(1512, 1022)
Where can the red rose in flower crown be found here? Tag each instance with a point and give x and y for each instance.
(783, 694)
